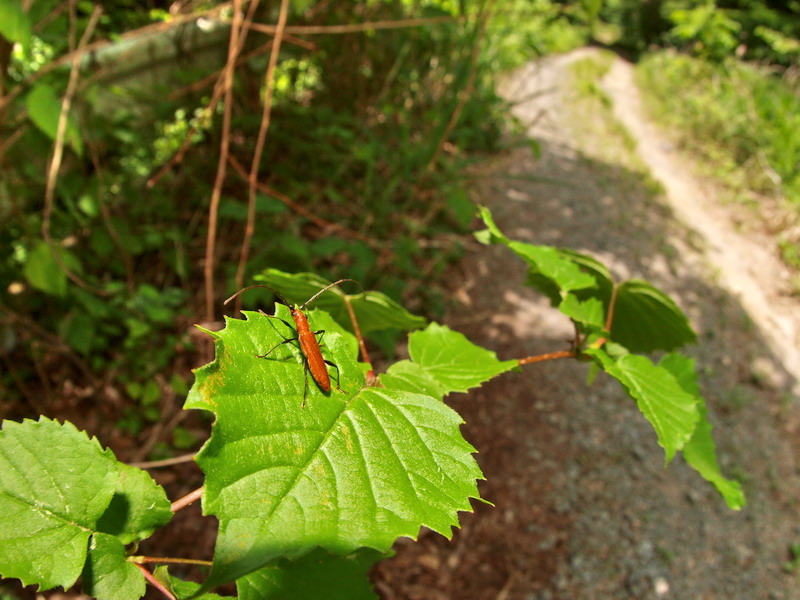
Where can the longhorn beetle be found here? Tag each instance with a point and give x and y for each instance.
(309, 345)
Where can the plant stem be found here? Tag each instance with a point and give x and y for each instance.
(547, 356)
(143, 560)
(155, 582)
(186, 500)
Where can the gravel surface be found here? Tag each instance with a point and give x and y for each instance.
(584, 508)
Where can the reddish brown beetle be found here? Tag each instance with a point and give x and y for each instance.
(307, 339)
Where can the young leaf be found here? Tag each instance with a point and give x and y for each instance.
(671, 411)
(374, 311)
(590, 312)
(107, 575)
(138, 508)
(44, 109)
(55, 483)
(355, 467)
(646, 319)
(449, 359)
(316, 575)
(700, 452)
(43, 271)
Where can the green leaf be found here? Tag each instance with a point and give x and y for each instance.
(646, 319)
(183, 589)
(374, 311)
(700, 452)
(43, 271)
(138, 508)
(15, 25)
(107, 574)
(55, 483)
(492, 233)
(412, 377)
(552, 271)
(355, 468)
(589, 312)
(671, 411)
(44, 109)
(316, 575)
(454, 362)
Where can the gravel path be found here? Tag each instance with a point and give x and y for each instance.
(584, 508)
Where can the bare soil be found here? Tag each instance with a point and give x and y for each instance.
(584, 508)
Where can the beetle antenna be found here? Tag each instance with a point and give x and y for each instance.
(250, 287)
(327, 287)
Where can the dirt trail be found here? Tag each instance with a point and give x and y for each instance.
(584, 508)
(747, 265)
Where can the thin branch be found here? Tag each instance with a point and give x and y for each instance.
(165, 560)
(155, 582)
(58, 153)
(370, 375)
(238, 27)
(208, 79)
(186, 500)
(216, 95)
(167, 462)
(353, 27)
(300, 209)
(465, 93)
(528, 360)
(252, 179)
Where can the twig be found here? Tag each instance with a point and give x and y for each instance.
(370, 376)
(143, 560)
(155, 582)
(167, 462)
(548, 356)
(58, 153)
(186, 500)
(465, 93)
(353, 27)
(222, 164)
(219, 89)
(252, 179)
(205, 81)
(300, 209)
(162, 425)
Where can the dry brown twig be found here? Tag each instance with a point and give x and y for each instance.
(484, 15)
(216, 96)
(239, 28)
(58, 152)
(353, 27)
(252, 178)
(302, 210)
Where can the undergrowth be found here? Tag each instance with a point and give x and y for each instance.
(741, 118)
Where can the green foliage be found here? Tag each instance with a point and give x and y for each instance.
(359, 129)
(373, 310)
(310, 487)
(739, 117)
(15, 25)
(357, 467)
(710, 32)
(617, 320)
(68, 507)
(316, 575)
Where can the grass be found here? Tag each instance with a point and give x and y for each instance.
(740, 120)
